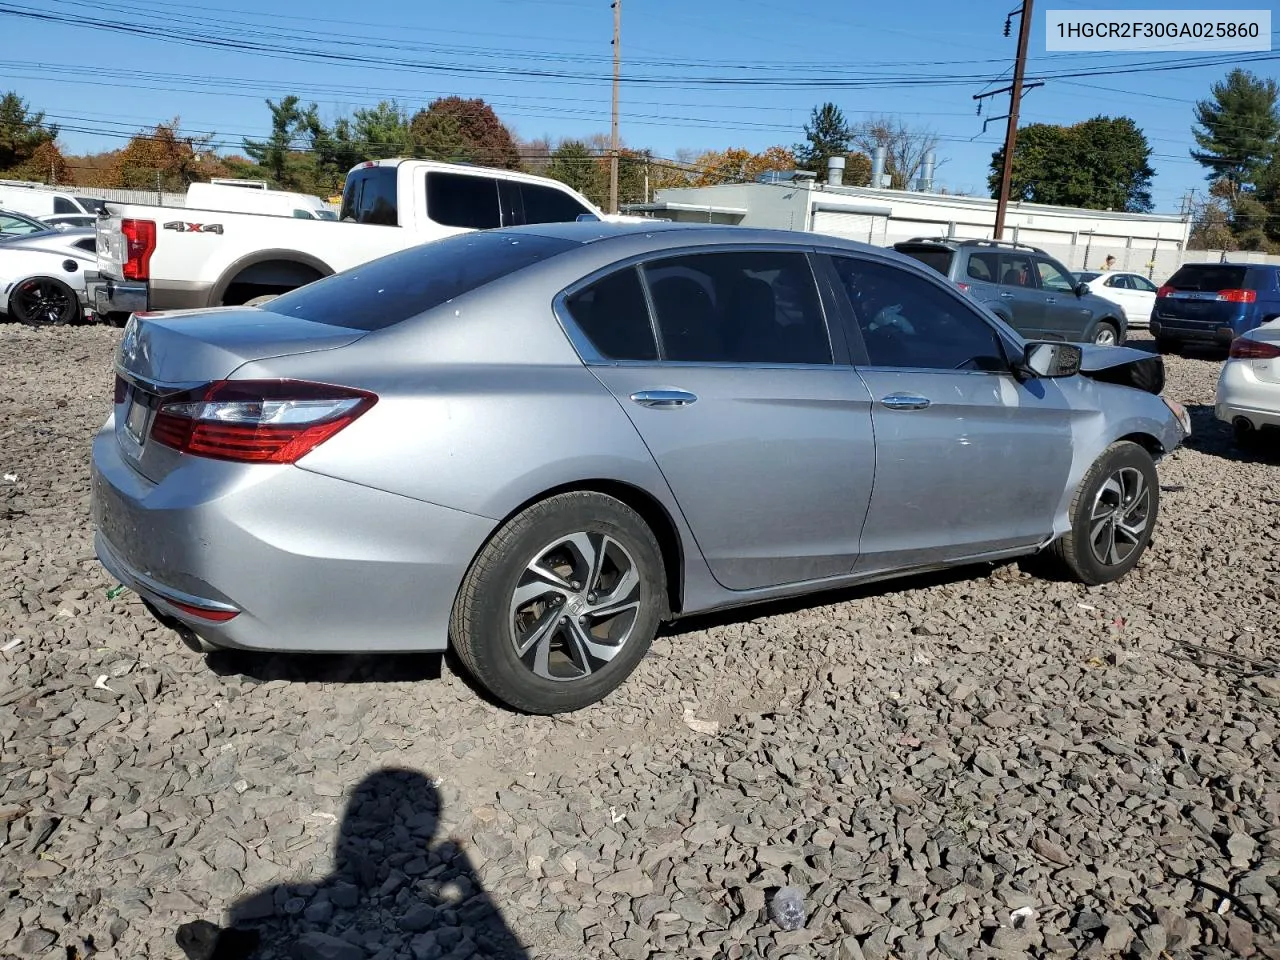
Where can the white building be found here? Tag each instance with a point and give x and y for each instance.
(1152, 244)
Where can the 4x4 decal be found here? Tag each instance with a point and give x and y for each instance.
(183, 227)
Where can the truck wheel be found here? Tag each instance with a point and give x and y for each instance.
(44, 301)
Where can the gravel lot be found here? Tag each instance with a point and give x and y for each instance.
(982, 764)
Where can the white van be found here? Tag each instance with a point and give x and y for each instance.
(37, 200)
(237, 199)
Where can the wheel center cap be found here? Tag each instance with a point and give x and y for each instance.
(576, 605)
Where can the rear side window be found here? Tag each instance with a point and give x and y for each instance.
(738, 307)
(88, 244)
(1209, 277)
(612, 314)
(1016, 270)
(392, 289)
(939, 259)
(370, 197)
(549, 205)
(91, 204)
(459, 200)
(984, 267)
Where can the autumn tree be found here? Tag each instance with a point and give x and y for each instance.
(739, 165)
(45, 165)
(1100, 164)
(22, 132)
(455, 129)
(163, 158)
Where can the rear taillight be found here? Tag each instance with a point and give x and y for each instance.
(257, 421)
(1243, 348)
(204, 613)
(1165, 290)
(140, 243)
(1238, 296)
(122, 389)
(964, 287)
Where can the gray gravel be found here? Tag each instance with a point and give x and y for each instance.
(976, 765)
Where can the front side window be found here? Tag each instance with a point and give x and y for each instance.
(462, 200)
(613, 315)
(738, 307)
(63, 205)
(1016, 270)
(10, 224)
(1143, 284)
(91, 204)
(908, 322)
(1053, 278)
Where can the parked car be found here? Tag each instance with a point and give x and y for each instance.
(537, 444)
(1213, 303)
(161, 258)
(43, 276)
(1024, 287)
(14, 224)
(1248, 395)
(1133, 293)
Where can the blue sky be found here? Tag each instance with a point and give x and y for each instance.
(706, 75)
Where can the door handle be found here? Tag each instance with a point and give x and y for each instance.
(903, 401)
(1006, 295)
(663, 398)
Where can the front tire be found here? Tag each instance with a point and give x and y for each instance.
(1106, 334)
(44, 302)
(561, 604)
(1113, 516)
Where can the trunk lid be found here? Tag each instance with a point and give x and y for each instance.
(162, 354)
(111, 247)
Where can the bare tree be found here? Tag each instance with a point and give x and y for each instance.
(905, 149)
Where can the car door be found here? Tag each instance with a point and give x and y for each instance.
(1021, 295)
(970, 461)
(764, 439)
(1141, 299)
(1066, 315)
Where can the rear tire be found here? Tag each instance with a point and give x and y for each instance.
(561, 604)
(1246, 435)
(1113, 515)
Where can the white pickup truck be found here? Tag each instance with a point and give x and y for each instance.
(175, 258)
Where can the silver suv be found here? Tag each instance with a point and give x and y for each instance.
(1023, 286)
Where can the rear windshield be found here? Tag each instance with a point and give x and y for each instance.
(1209, 277)
(394, 288)
(939, 259)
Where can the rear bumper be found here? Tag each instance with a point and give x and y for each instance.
(311, 564)
(1191, 330)
(1241, 394)
(117, 296)
(132, 296)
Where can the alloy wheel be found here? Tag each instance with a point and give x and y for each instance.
(575, 606)
(41, 301)
(1120, 516)
(1105, 337)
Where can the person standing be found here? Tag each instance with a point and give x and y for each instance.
(1109, 263)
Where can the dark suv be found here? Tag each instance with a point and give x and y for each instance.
(1213, 303)
(1024, 286)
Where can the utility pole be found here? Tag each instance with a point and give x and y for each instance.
(617, 75)
(1015, 101)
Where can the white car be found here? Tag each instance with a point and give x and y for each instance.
(1248, 395)
(1131, 292)
(43, 276)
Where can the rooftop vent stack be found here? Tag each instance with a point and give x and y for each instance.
(835, 171)
(877, 165)
(925, 183)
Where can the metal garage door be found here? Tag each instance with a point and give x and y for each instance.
(864, 227)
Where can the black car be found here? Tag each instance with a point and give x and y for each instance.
(1024, 286)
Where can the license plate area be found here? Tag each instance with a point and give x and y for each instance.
(137, 416)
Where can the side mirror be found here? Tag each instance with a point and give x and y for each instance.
(1081, 289)
(1050, 360)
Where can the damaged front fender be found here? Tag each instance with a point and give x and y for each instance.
(1124, 366)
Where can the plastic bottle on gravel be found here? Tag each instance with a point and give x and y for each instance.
(787, 908)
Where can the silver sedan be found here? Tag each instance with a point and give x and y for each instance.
(536, 445)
